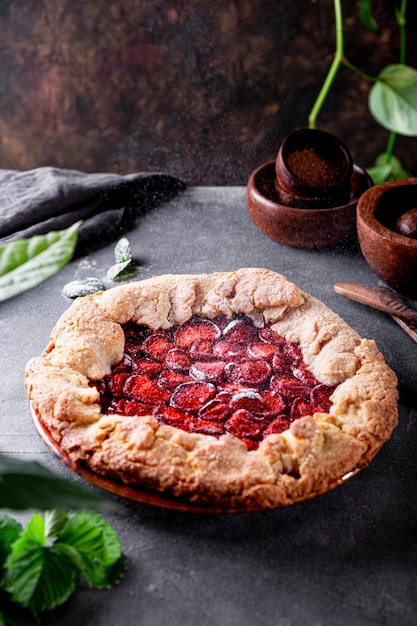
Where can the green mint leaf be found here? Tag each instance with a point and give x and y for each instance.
(98, 547)
(121, 271)
(122, 251)
(82, 287)
(26, 263)
(10, 530)
(12, 614)
(29, 485)
(124, 268)
(393, 99)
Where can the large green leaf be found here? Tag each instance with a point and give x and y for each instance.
(29, 485)
(393, 99)
(38, 576)
(27, 262)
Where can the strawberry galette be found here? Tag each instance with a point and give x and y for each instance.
(236, 391)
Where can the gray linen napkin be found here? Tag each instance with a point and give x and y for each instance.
(37, 201)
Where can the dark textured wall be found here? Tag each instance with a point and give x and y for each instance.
(203, 89)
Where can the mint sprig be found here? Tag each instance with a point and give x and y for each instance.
(124, 266)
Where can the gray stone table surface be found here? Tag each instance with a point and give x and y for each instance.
(346, 558)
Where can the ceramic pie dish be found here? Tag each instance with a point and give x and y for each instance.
(222, 392)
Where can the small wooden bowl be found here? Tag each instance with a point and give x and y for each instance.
(302, 227)
(313, 169)
(391, 255)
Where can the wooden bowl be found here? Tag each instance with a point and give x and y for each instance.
(313, 169)
(391, 255)
(302, 227)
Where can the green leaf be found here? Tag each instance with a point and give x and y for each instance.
(55, 521)
(98, 547)
(39, 577)
(121, 271)
(122, 251)
(82, 287)
(367, 18)
(393, 99)
(27, 262)
(29, 485)
(10, 530)
(387, 168)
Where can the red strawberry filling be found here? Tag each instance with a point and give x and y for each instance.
(214, 377)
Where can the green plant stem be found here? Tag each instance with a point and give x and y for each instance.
(401, 21)
(339, 58)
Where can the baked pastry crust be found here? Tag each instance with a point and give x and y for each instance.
(312, 456)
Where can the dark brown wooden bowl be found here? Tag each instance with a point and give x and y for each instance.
(301, 227)
(313, 169)
(392, 256)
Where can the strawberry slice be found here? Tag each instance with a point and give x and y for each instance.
(192, 396)
(178, 360)
(144, 389)
(281, 363)
(209, 371)
(207, 427)
(248, 399)
(300, 407)
(269, 336)
(115, 384)
(201, 350)
(320, 396)
(301, 372)
(215, 410)
(229, 350)
(289, 387)
(147, 366)
(243, 425)
(278, 425)
(250, 372)
(156, 347)
(173, 417)
(195, 329)
(131, 407)
(262, 350)
(239, 331)
(273, 404)
(169, 379)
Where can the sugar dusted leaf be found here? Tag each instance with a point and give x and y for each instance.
(122, 251)
(82, 287)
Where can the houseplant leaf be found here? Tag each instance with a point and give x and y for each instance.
(393, 99)
(387, 168)
(27, 262)
(367, 18)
